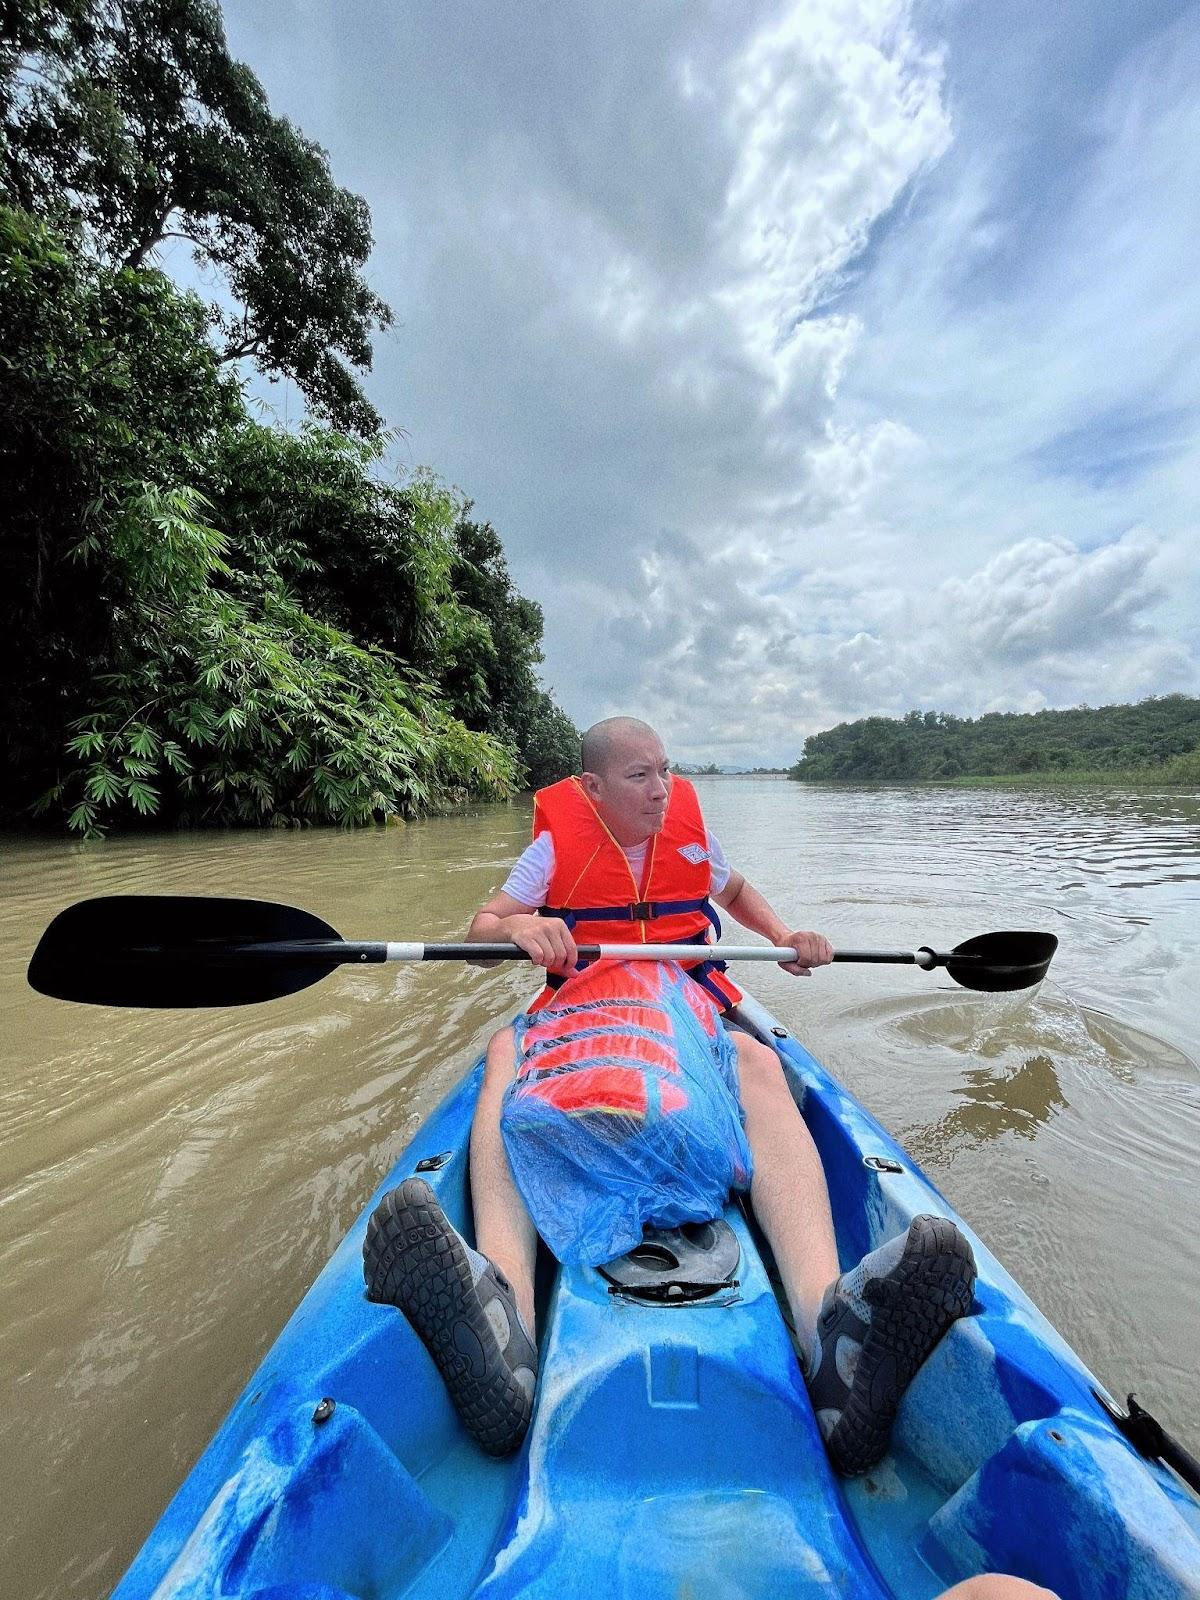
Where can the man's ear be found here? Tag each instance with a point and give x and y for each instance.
(591, 785)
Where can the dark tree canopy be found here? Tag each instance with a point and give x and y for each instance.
(1159, 735)
(505, 696)
(206, 619)
(203, 618)
(155, 658)
(108, 385)
(404, 568)
(129, 122)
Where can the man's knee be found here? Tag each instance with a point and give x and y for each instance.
(759, 1071)
(500, 1061)
(995, 1586)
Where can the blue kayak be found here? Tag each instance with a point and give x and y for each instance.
(673, 1451)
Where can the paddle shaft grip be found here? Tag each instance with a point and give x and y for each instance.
(349, 952)
(911, 958)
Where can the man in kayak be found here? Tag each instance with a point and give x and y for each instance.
(623, 851)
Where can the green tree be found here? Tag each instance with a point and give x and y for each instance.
(402, 567)
(547, 741)
(1155, 733)
(218, 708)
(128, 121)
(504, 692)
(371, 557)
(108, 384)
(202, 618)
(513, 622)
(156, 657)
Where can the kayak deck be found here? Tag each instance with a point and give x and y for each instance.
(673, 1449)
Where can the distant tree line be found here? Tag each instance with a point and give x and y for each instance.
(205, 618)
(1159, 733)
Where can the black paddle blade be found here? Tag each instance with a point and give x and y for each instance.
(174, 950)
(995, 962)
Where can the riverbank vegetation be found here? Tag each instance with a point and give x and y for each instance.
(204, 617)
(1154, 741)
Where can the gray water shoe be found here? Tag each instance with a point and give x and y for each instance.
(463, 1309)
(877, 1325)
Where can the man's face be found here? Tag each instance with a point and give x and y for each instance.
(631, 793)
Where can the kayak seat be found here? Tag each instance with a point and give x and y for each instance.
(266, 1529)
(1109, 1530)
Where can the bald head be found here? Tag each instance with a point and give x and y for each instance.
(606, 743)
(626, 777)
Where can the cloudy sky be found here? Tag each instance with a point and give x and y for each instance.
(812, 359)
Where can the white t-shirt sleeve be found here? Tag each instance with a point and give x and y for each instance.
(529, 880)
(719, 863)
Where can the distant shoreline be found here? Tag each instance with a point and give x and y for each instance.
(1134, 778)
(1068, 778)
(1155, 743)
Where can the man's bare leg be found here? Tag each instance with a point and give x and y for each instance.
(504, 1231)
(885, 1316)
(472, 1310)
(788, 1192)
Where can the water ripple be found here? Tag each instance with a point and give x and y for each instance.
(171, 1182)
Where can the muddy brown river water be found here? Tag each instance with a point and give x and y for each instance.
(170, 1183)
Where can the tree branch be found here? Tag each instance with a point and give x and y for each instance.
(26, 69)
(17, 177)
(153, 234)
(248, 347)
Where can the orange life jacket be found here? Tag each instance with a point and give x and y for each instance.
(593, 883)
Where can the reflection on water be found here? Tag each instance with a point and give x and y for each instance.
(171, 1182)
(990, 1103)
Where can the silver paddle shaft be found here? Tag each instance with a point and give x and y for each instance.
(645, 952)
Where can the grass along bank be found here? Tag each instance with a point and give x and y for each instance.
(1180, 772)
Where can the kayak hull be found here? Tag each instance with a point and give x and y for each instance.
(673, 1449)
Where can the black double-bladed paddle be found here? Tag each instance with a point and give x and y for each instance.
(199, 950)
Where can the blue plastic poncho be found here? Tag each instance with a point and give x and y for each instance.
(624, 1110)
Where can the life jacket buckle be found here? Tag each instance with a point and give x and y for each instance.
(642, 911)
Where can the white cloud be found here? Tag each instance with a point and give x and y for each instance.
(1045, 595)
(791, 402)
(832, 109)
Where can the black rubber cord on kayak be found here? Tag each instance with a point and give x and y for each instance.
(1150, 1439)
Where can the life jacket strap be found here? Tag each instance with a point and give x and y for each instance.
(635, 911)
(699, 974)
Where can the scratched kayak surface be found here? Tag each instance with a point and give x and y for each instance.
(673, 1450)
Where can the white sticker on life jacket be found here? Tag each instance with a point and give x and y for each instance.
(695, 853)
